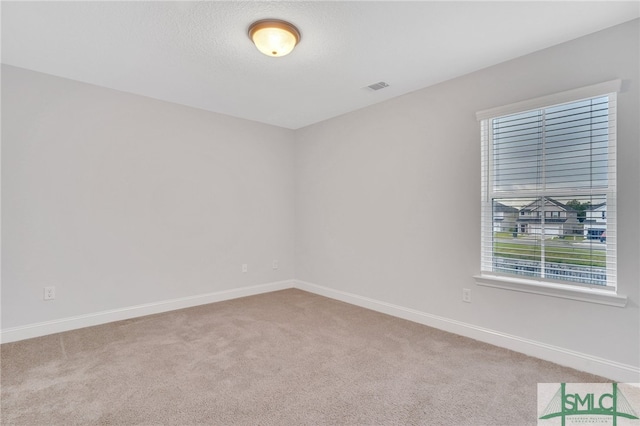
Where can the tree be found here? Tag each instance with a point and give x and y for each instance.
(580, 208)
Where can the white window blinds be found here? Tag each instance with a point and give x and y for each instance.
(549, 192)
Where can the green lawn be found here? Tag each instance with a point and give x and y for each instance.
(568, 254)
(565, 238)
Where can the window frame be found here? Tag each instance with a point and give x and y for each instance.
(608, 294)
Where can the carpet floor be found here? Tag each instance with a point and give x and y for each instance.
(281, 358)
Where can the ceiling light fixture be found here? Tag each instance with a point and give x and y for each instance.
(274, 37)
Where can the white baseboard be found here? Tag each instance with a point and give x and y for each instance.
(97, 318)
(583, 362)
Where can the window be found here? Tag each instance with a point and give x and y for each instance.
(552, 160)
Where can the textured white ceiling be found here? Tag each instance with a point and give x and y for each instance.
(198, 53)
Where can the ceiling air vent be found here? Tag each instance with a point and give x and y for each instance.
(378, 86)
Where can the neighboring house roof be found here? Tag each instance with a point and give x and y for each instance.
(535, 205)
(499, 207)
(596, 206)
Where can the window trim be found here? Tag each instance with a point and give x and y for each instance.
(599, 89)
(605, 295)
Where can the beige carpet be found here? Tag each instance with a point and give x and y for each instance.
(283, 358)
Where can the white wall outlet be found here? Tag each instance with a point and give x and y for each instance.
(49, 293)
(274, 265)
(466, 295)
(245, 267)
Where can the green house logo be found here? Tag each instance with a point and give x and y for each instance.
(608, 406)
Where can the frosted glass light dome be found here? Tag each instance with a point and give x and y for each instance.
(274, 37)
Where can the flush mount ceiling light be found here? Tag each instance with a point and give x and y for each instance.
(274, 37)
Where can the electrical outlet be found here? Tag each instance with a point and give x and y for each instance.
(466, 295)
(275, 264)
(245, 267)
(49, 293)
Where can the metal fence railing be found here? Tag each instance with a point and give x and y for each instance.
(555, 271)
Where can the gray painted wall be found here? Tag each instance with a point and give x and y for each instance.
(388, 199)
(120, 200)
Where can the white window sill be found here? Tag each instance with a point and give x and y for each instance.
(584, 294)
